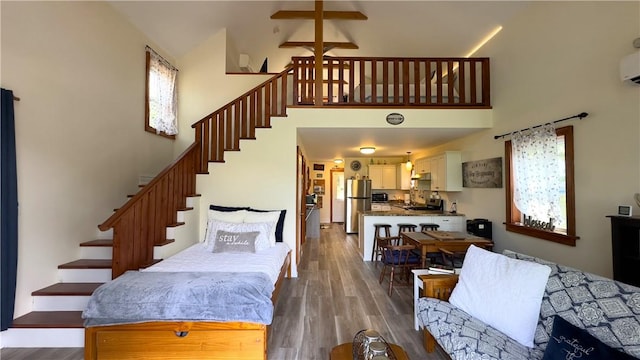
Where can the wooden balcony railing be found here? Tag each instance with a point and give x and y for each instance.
(223, 129)
(414, 82)
(141, 223)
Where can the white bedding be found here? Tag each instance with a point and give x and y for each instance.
(198, 258)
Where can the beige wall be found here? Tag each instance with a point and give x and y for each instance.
(78, 68)
(553, 61)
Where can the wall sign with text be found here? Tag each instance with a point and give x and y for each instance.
(482, 173)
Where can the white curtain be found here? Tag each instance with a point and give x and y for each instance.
(537, 177)
(163, 97)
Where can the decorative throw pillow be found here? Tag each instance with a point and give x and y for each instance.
(262, 241)
(279, 225)
(502, 292)
(571, 342)
(270, 217)
(235, 241)
(226, 216)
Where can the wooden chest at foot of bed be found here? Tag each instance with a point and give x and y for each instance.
(177, 341)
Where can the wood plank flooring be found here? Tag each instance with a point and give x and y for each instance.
(335, 295)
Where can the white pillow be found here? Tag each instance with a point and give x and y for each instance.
(270, 217)
(227, 216)
(502, 292)
(262, 241)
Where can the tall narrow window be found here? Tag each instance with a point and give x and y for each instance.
(540, 184)
(161, 110)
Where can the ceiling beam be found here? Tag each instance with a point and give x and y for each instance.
(310, 15)
(318, 50)
(327, 45)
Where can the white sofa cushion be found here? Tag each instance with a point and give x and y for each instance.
(502, 292)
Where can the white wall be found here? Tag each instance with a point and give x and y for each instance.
(555, 60)
(79, 70)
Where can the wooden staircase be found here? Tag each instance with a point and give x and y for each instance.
(144, 222)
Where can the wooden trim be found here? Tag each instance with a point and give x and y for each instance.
(309, 15)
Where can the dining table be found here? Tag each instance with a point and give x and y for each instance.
(434, 241)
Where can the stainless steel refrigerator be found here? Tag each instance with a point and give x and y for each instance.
(357, 198)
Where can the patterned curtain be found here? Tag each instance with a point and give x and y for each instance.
(163, 95)
(536, 172)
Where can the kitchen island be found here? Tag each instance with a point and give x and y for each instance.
(447, 221)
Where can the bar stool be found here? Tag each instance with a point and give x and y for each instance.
(376, 250)
(428, 226)
(406, 228)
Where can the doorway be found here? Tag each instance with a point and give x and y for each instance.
(337, 195)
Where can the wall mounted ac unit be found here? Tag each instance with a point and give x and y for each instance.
(630, 68)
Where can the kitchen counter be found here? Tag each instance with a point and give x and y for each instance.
(402, 212)
(446, 220)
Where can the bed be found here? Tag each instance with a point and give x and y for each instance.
(181, 313)
(390, 98)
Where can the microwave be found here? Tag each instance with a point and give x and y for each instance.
(379, 197)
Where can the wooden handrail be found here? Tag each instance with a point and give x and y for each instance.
(142, 222)
(223, 129)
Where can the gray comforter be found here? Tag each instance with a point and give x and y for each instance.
(138, 297)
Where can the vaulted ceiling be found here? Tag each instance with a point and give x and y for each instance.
(392, 28)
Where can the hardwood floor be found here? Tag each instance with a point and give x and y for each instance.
(335, 295)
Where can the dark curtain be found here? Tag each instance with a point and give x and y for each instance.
(8, 212)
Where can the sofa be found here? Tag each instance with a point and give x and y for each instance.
(581, 315)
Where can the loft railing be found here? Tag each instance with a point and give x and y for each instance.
(223, 129)
(141, 223)
(414, 82)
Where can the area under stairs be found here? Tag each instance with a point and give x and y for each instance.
(56, 319)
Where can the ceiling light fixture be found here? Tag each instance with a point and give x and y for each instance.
(338, 161)
(409, 165)
(367, 150)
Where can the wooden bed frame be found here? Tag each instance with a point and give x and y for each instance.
(184, 339)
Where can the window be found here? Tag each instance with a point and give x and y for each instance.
(561, 202)
(161, 98)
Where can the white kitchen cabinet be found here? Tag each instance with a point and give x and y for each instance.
(423, 166)
(403, 177)
(446, 172)
(450, 223)
(383, 176)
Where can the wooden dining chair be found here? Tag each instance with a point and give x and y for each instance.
(400, 259)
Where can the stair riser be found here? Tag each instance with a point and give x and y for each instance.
(84, 275)
(42, 338)
(96, 252)
(60, 303)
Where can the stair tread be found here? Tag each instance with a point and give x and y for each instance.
(98, 242)
(61, 289)
(49, 319)
(87, 264)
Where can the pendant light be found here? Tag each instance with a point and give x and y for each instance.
(409, 165)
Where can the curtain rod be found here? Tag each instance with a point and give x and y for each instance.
(15, 98)
(580, 116)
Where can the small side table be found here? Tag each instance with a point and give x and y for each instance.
(345, 352)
